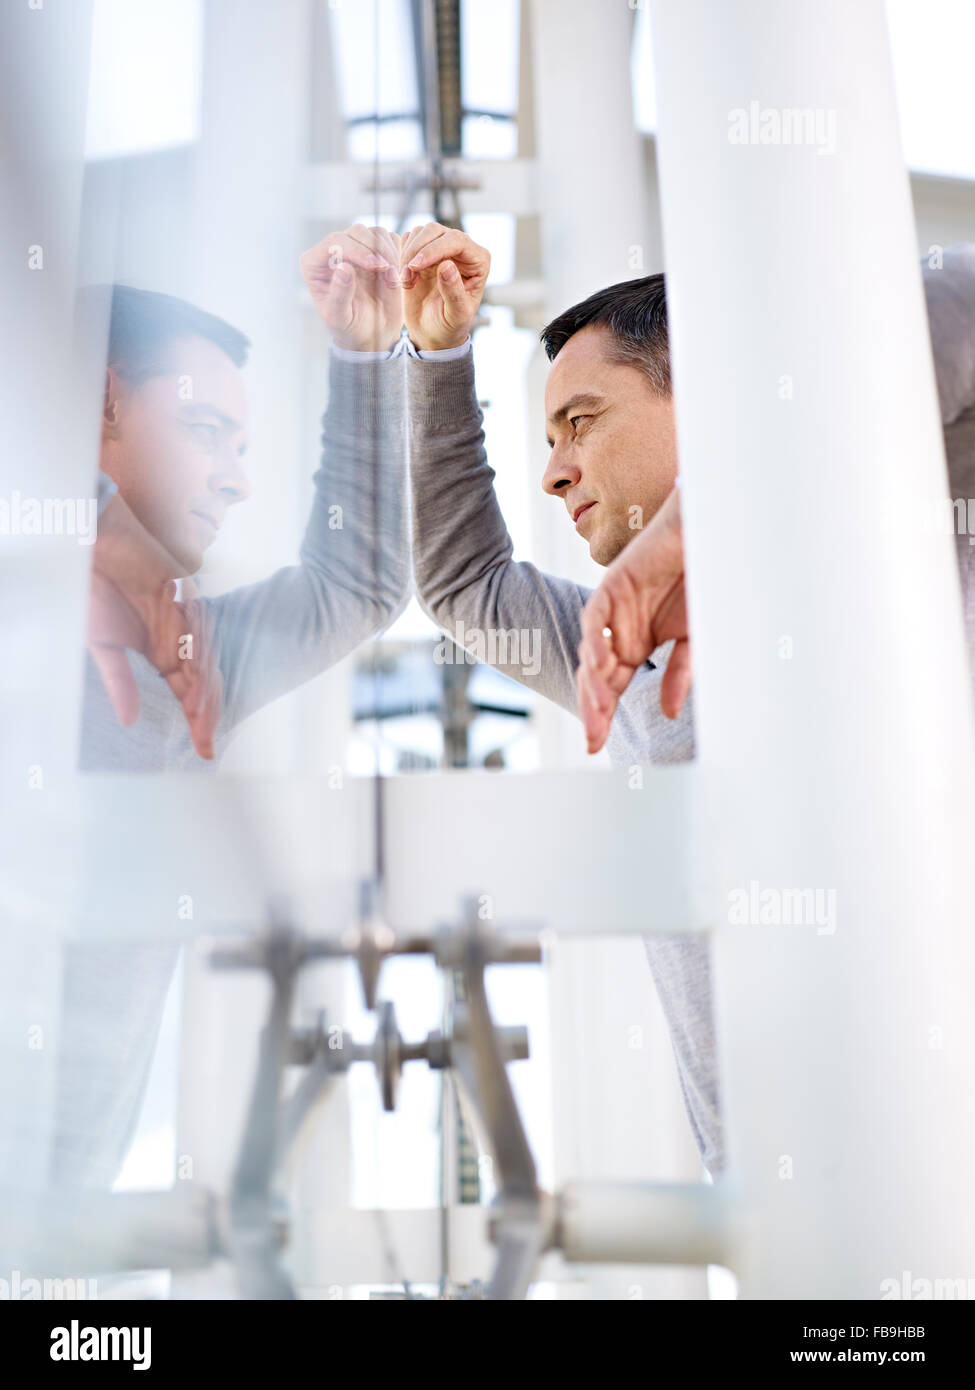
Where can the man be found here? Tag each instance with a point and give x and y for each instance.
(174, 432)
(641, 602)
(613, 462)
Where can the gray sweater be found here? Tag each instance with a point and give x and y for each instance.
(270, 637)
(465, 574)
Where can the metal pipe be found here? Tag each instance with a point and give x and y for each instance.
(644, 1223)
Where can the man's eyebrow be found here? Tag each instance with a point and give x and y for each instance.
(583, 398)
(201, 407)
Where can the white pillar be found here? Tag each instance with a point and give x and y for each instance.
(617, 1107)
(833, 702)
(249, 230)
(48, 458)
(595, 216)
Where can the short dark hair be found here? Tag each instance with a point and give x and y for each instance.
(142, 325)
(635, 312)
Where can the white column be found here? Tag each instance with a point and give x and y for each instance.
(594, 223)
(616, 1105)
(833, 701)
(248, 211)
(595, 215)
(49, 457)
(248, 232)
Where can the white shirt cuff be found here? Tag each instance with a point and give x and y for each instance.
(439, 354)
(404, 345)
(383, 355)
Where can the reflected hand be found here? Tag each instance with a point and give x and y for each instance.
(354, 280)
(132, 604)
(444, 274)
(639, 605)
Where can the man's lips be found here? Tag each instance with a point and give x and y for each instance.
(210, 521)
(581, 511)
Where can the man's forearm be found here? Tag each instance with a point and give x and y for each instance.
(354, 560)
(524, 622)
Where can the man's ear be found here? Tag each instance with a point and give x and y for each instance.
(110, 405)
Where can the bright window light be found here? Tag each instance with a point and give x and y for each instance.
(144, 86)
(486, 137)
(931, 47)
(374, 58)
(385, 140)
(489, 42)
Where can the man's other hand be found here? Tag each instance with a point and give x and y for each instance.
(444, 274)
(354, 280)
(639, 605)
(132, 604)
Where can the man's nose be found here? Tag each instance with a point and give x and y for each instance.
(560, 475)
(231, 480)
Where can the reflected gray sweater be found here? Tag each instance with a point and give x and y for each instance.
(465, 574)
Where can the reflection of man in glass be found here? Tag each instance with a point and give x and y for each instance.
(174, 432)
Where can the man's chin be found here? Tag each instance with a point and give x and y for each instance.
(604, 549)
(186, 559)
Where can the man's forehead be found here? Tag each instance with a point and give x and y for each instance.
(206, 374)
(580, 365)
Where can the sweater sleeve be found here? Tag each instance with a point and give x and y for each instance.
(510, 613)
(352, 578)
(949, 288)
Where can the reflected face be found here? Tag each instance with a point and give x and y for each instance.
(175, 452)
(614, 448)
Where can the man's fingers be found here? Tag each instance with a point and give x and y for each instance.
(596, 614)
(375, 241)
(339, 298)
(339, 249)
(195, 678)
(436, 244)
(206, 700)
(205, 724)
(418, 238)
(457, 305)
(388, 245)
(206, 705)
(116, 674)
(595, 718)
(677, 679)
(443, 242)
(598, 694)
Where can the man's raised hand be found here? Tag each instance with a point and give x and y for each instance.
(639, 605)
(354, 280)
(444, 273)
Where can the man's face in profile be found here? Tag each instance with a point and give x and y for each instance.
(176, 446)
(614, 450)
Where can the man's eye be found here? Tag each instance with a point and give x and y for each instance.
(574, 418)
(206, 434)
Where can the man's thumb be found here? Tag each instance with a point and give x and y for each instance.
(452, 288)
